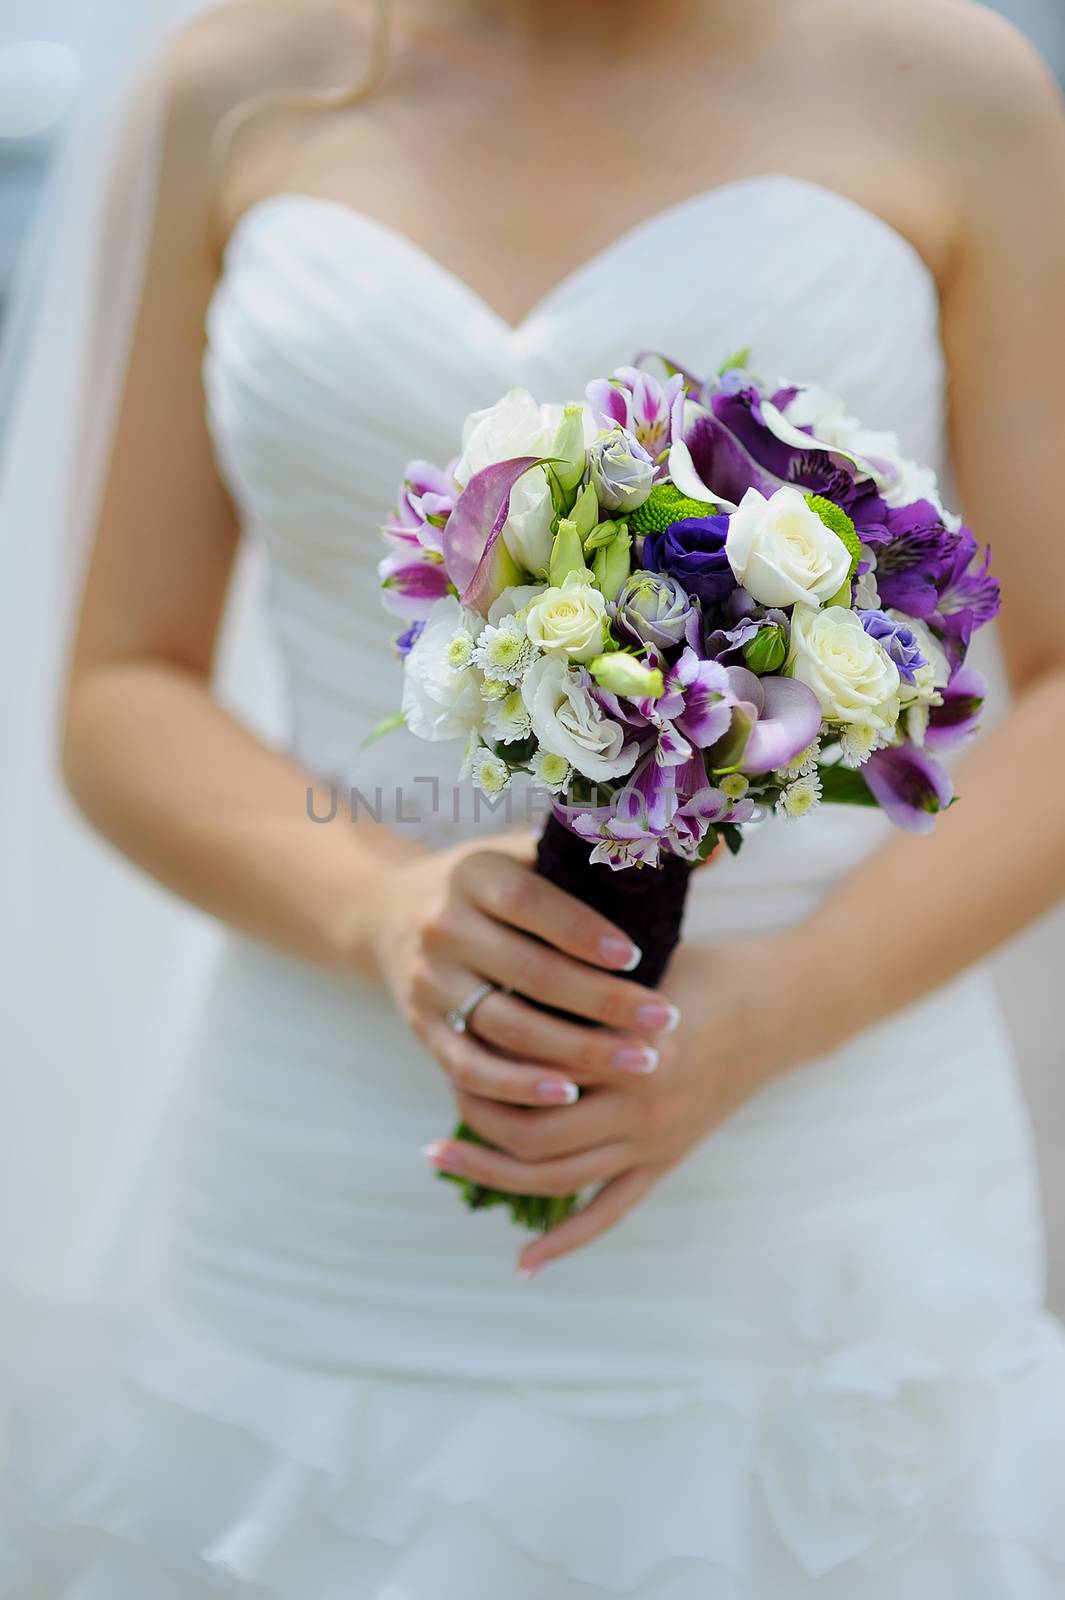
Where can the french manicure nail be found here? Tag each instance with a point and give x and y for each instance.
(660, 1016)
(556, 1093)
(641, 1058)
(528, 1272)
(440, 1156)
(620, 953)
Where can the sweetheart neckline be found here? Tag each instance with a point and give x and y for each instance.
(676, 211)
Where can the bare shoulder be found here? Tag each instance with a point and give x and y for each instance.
(968, 74)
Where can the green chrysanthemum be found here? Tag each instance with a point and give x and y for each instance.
(664, 506)
(836, 518)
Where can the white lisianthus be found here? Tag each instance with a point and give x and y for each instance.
(504, 652)
(571, 619)
(852, 675)
(440, 702)
(550, 771)
(517, 426)
(782, 553)
(509, 718)
(917, 698)
(569, 722)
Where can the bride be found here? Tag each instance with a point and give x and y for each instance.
(795, 1343)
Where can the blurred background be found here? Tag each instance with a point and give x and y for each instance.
(41, 45)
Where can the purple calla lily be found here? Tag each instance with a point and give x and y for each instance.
(958, 717)
(909, 785)
(477, 560)
(789, 720)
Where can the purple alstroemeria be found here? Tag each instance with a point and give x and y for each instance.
(693, 551)
(426, 500)
(958, 718)
(707, 808)
(620, 832)
(475, 556)
(915, 555)
(898, 640)
(776, 719)
(411, 583)
(969, 597)
(909, 785)
(648, 408)
(409, 638)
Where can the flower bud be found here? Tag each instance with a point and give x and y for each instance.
(567, 554)
(620, 673)
(568, 455)
(613, 562)
(767, 650)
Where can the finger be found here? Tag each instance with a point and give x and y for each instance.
(541, 973)
(512, 894)
(585, 1054)
(476, 1070)
(495, 1170)
(602, 1212)
(598, 1118)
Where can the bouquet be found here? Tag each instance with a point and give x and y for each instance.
(681, 605)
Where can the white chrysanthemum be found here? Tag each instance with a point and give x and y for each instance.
(800, 798)
(509, 718)
(488, 771)
(494, 689)
(858, 740)
(553, 772)
(460, 650)
(504, 651)
(805, 763)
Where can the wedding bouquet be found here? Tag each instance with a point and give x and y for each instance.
(680, 605)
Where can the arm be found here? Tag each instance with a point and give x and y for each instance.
(997, 859)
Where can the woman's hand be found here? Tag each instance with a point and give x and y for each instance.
(448, 923)
(626, 1133)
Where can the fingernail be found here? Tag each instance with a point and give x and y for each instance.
(556, 1093)
(528, 1272)
(636, 1058)
(659, 1016)
(620, 953)
(440, 1156)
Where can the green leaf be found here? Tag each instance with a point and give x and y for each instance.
(388, 724)
(741, 359)
(841, 786)
(732, 836)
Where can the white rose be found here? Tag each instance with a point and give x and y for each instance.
(782, 553)
(518, 426)
(852, 675)
(568, 722)
(571, 619)
(438, 701)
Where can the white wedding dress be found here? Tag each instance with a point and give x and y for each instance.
(815, 1360)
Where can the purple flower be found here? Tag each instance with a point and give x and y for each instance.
(775, 719)
(645, 407)
(732, 448)
(969, 596)
(408, 639)
(909, 785)
(693, 551)
(730, 646)
(957, 718)
(426, 500)
(915, 554)
(898, 640)
(411, 583)
(654, 608)
(621, 832)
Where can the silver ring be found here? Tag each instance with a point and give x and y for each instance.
(459, 1019)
